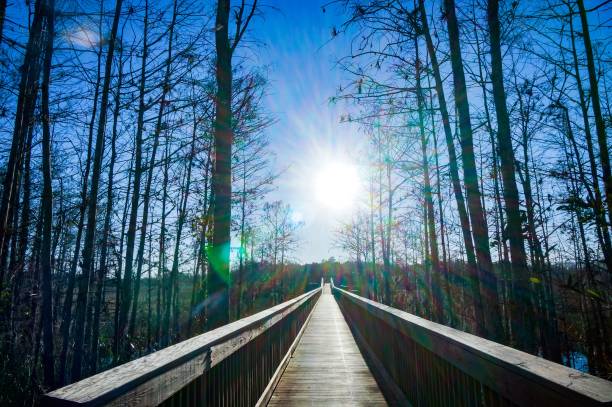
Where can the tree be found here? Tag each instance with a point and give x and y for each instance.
(47, 202)
(26, 102)
(219, 256)
(454, 173)
(479, 227)
(88, 249)
(126, 285)
(521, 306)
(602, 139)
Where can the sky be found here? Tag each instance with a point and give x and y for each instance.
(307, 137)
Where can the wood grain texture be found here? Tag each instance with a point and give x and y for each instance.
(327, 367)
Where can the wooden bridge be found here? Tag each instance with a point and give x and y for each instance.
(332, 347)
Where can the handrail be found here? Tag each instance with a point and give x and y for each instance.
(222, 354)
(424, 363)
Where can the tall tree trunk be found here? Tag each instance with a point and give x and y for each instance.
(126, 284)
(521, 310)
(195, 285)
(372, 289)
(106, 232)
(437, 298)
(149, 289)
(547, 315)
(197, 308)
(388, 275)
(181, 221)
(241, 252)
(600, 126)
(69, 296)
(600, 214)
(19, 251)
(147, 192)
(47, 206)
(24, 117)
(503, 253)
(444, 266)
(118, 276)
(596, 328)
(219, 273)
(88, 248)
(454, 175)
(493, 328)
(164, 334)
(2, 18)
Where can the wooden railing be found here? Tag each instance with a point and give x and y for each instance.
(229, 366)
(422, 363)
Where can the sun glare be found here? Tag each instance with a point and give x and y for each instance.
(337, 185)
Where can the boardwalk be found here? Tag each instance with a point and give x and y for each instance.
(327, 367)
(421, 362)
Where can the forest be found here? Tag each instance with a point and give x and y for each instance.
(139, 201)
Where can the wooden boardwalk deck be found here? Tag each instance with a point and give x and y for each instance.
(327, 367)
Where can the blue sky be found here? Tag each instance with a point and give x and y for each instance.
(308, 133)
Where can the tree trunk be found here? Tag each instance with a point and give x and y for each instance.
(219, 274)
(2, 18)
(118, 280)
(197, 308)
(24, 117)
(174, 274)
(493, 329)
(69, 296)
(147, 193)
(444, 266)
(372, 289)
(454, 175)
(437, 298)
(547, 315)
(241, 252)
(164, 332)
(88, 248)
(106, 232)
(600, 126)
(600, 214)
(521, 309)
(126, 285)
(47, 206)
(503, 254)
(18, 260)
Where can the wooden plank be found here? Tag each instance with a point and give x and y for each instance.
(153, 378)
(394, 393)
(518, 376)
(267, 393)
(327, 368)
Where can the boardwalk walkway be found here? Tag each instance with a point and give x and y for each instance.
(327, 367)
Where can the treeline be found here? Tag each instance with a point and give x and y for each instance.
(130, 131)
(489, 193)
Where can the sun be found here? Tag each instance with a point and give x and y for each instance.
(336, 185)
